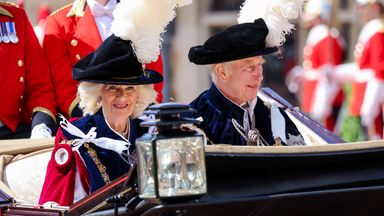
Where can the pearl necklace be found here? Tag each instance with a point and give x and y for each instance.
(125, 132)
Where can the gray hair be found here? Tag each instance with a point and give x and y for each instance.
(227, 68)
(90, 98)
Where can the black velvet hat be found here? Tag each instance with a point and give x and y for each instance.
(114, 62)
(236, 42)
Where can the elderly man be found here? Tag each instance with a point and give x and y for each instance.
(231, 110)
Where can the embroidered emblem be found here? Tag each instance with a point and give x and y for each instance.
(61, 156)
(295, 140)
(147, 74)
(253, 137)
(278, 142)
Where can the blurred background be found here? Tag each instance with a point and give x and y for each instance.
(196, 22)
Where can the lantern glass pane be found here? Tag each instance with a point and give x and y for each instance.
(145, 169)
(181, 166)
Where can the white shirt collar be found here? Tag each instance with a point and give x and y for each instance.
(98, 9)
(251, 103)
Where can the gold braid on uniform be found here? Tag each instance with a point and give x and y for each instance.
(9, 4)
(60, 9)
(102, 169)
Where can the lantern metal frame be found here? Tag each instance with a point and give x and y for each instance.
(168, 122)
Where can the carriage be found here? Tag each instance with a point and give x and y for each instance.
(325, 177)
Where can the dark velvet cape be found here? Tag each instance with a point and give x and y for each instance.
(115, 165)
(217, 113)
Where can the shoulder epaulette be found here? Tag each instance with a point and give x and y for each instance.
(5, 12)
(60, 9)
(9, 4)
(77, 9)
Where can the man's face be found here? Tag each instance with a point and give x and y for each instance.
(245, 79)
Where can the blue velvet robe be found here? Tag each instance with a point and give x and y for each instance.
(217, 113)
(115, 165)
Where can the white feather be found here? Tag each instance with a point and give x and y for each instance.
(181, 3)
(276, 14)
(143, 22)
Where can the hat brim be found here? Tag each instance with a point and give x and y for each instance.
(149, 77)
(211, 59)
(85, 72)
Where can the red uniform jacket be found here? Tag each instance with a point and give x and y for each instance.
(71, 34)
(369, 54)
(324, 49)
(25, 83)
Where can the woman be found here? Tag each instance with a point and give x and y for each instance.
(98, 148)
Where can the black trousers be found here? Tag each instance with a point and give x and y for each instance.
(22, 131)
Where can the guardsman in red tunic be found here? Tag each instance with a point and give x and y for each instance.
(71, 33)
(368, 92)
(26, 90)
(44, 11)
(321, 97)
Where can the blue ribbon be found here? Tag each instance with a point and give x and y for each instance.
(5, 32)
(12, 32)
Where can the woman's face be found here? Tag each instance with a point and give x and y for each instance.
(118, 101)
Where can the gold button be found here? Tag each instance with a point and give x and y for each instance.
(78, 57)
(20, 63)
(21, 79)
(21, 97)
(19, 109)
(74, 42)
(307, 64)
(308, 50)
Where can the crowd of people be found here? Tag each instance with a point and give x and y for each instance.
(101, 77)
(344, 97)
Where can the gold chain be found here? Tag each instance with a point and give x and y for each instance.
(102, 169)
(278, 142)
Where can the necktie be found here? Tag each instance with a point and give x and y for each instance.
(100, 10)
(246, 117)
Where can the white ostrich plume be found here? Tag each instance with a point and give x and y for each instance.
(143, 22)
(181, 3)
(275, 13)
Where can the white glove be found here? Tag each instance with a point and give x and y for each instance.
(372, 99)
(325, 93)
(365, 75)
(345, 73)
(41, 131)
